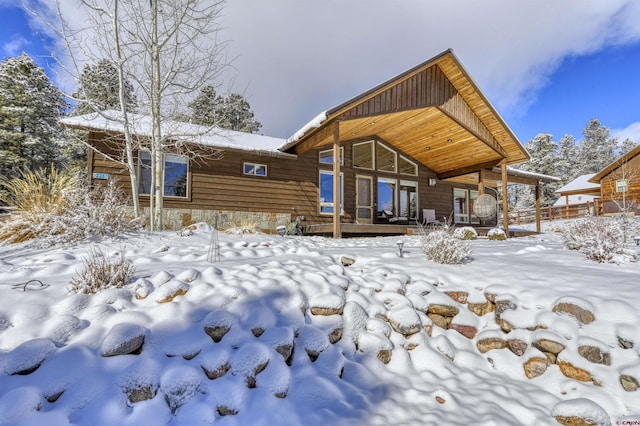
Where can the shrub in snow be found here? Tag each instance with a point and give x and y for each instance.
(496, 234)
(600, 239)
(441, 246)
(101, 273)
(54, 208)
(179, 385)
(465, 233)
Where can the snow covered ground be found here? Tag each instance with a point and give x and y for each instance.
(278, 331)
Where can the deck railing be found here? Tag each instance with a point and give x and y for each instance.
(551, 213)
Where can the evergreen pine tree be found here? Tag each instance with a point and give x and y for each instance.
(30, 105)
(566, 158)
(98, 90)
(233, 112)
(543, 151)
(597, 149)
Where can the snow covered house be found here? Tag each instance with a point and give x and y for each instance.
(580, 192)
(427, 139)
(620, 184)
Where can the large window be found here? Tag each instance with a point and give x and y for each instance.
(408, 199)
(326, 193)
(460, 205)
(408, 167)
(473, 196)
(175, 172)
(326, 156)
(363, 155)
(386, 159)
(387, 195)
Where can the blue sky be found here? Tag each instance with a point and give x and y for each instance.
(542, 71)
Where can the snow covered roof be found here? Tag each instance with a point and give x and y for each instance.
(575, 199)
(616, 164)
(580, 184)
(526, 174)
(316, 122)
(141, 125)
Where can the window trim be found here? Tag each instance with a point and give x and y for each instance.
(330, 203)
(373, 155)
(331, 156)
(415, 166)
(395, 158)
(187, 195)
(413, 184)
(255, 167)
(467, 214)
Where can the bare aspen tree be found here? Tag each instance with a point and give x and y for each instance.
(170, 50)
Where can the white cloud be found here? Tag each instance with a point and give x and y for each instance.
(15, 46)
(632, 132)
(296, 58)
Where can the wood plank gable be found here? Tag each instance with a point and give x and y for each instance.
(433, 112)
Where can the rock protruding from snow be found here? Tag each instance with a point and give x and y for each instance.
(218, 323)
(123, 339)
(249, 361)
(535, 364)
(313, 340)
(170, 290)
(179, 385)
(490, 343)
(28, 357)
(580, 411)
(19, 403)
(141, 380)
(404, 319)
(595, 354)
(577, 308)
(629, 383)
(215, 362)
(327, 304)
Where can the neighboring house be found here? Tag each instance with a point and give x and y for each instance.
(425, 139)
(580, 192)
(620, 184)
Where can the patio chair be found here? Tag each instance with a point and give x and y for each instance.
(392, 218)
(429, 217)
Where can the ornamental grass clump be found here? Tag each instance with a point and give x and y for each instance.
(55, 208)
(441, 246)
(101, 273)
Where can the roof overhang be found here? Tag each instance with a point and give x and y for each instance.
(614, 165)
(433, 112)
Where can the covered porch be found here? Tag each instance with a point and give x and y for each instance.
(433, 114)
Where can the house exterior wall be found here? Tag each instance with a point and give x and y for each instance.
(612, 198)
(219, 193)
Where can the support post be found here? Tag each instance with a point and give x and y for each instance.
(538, 227)
(505, 198)
(336, 182)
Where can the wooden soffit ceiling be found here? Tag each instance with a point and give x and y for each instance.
(434, 113)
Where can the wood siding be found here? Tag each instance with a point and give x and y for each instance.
(611, 198)
(291, 185)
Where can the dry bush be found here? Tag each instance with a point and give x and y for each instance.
(241, 226)
(600, 239)
(100, 273)
(53, 208)
(440, 246)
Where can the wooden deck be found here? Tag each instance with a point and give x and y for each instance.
(361, 230)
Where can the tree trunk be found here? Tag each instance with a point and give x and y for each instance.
(156, 143)
(131, 166)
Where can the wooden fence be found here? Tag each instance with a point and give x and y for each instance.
(551, 213)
